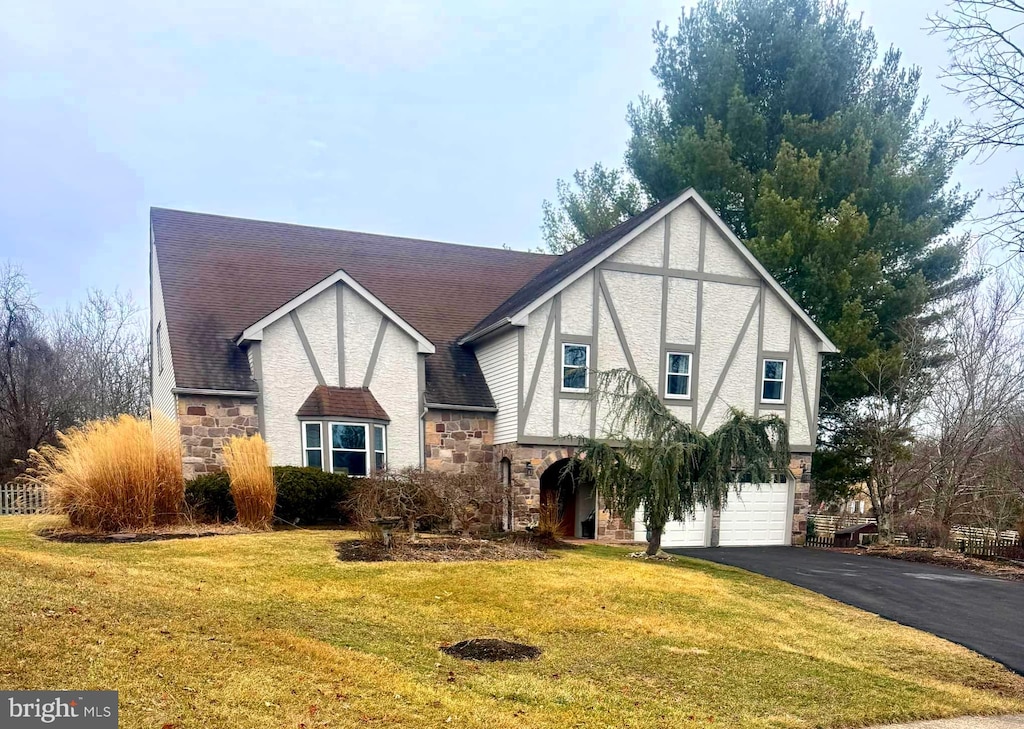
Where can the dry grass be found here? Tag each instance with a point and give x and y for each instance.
(113, 475)
(252, 480)
(271, 630)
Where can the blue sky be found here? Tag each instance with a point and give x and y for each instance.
(448, 121)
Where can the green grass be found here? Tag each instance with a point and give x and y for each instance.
(266, 630)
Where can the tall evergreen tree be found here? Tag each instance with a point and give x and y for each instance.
(819, 155)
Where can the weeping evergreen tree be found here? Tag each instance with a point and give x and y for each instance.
(652, 460)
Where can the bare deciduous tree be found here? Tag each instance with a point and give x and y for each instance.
(986, 50)
(978, 385)
(56, 372)
(899, 383)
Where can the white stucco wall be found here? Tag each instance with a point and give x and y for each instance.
(681, 322)
(361, 323)
(720, 256)
(776, 323)
(499, 361)
(539, 417)
(725, 309)
(319, 321)
(684, 237)
(394, 384)
(577, 307)
(162, 398)
(288, 376)
(637, 301)
(647, 249)
(573, 417)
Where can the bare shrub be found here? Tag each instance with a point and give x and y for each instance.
(465, 502)
(252, 481)
(112, 475)
(472, 501)
(407, 494)
(923, 530)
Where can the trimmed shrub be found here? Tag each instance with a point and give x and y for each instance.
(310, 496)
(252, 481)
(113, 475)
(208, 498)
(304, 496)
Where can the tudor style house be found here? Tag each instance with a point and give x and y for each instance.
(351, 351)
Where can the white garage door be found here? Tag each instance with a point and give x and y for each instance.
(686, 533)
(759, 515)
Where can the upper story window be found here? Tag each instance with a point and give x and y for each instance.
(344, 447)
(677, 375)
(773, 381)
(575, 367)
(159, 348)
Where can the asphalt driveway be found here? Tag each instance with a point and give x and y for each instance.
(983, 613)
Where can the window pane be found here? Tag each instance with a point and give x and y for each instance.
(379, 461)
(574, 378)
(576, 355)
(678, 384)
(679, 364)
(773, 369)
(312, 435)
(351, 462)
(349, 436)
(315, 459)
(772, 391)
(378, 437)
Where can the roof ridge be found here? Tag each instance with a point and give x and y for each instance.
(239, 218)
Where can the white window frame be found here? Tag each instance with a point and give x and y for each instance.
(586, 368)
(367, 449)
(305, 443)
(381, 447)
(159, 348)
(669, 373)
(782, 381)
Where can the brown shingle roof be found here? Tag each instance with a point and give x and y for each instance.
(342, 402)
(220, 274)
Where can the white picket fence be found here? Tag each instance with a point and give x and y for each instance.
(21, 498)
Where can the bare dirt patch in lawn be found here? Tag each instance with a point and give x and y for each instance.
(947, 558)
(431, 548)
(491, 649)
(157, 534)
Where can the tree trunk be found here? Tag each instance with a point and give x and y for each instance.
(654, 539)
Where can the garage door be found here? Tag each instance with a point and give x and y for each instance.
(686, 533)
(758, 515)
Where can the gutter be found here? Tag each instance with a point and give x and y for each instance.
(473, 336)
(465, 408)
(222, 393)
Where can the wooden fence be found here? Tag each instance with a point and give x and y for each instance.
(989, 548)
(20, 498)
(821, 542)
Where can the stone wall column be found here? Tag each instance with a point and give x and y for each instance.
(206, 423)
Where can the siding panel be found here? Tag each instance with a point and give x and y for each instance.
(499, 360)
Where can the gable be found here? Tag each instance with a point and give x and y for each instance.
(695, 234)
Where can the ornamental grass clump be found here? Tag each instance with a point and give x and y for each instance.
(252, 480)
(113, 475)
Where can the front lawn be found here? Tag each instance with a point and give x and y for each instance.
(268, 630)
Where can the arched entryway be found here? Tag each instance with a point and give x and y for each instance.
(570, 497)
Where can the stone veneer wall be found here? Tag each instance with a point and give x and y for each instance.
(457, 441)
(206, 423)
(798, 463)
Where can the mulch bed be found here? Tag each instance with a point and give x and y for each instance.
(491, 649)
(947, 558)
(57, 535)
(430, 548)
